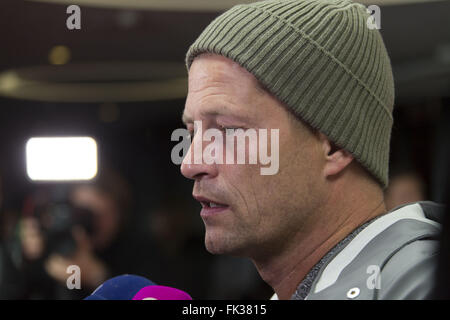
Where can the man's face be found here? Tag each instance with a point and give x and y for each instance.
(257, 213)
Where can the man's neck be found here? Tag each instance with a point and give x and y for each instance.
(285, 270)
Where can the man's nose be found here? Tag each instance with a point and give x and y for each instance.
(193, 165)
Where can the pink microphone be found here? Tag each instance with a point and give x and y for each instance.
(161, 293)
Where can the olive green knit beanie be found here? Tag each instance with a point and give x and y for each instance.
(319, 58)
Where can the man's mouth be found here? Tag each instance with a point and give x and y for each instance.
(210, 207)
(210, 204)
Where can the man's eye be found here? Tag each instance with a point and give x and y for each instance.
(228, 130)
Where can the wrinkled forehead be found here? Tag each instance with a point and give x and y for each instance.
(209, 70)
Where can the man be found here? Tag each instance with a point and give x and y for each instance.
(318, 228)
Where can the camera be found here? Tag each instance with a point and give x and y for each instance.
(57, 220)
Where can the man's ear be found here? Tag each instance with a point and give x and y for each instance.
(336, 158)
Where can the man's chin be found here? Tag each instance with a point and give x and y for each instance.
(216, 245)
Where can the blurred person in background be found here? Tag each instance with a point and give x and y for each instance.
(85, 226)
(405, 187)
(10, 277)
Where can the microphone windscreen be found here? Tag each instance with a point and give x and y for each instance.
(122, 287)
(161, 293)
